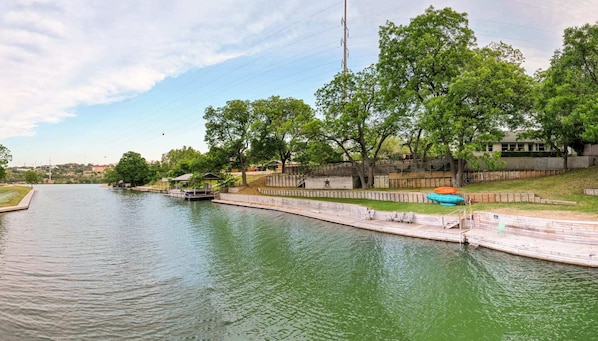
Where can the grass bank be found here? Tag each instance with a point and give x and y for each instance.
(568, 187)
(12, 195)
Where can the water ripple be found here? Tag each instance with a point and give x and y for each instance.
(96, 264)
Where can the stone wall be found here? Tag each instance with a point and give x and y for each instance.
(546, 163)
(346, 211)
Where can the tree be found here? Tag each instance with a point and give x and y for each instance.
(179, 161)
(5, 158)
(278, 128)
(318, 151)
(133, 169)
(566, 107)
(110, 176)
(491, 93)
(355, 121)
(460, 96)
(31, 177)
(228, 127)
(416, 64)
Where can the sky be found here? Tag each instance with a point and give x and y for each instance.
(86, 81)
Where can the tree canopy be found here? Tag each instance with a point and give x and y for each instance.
(355, 119)
(228, 127)
(31, 177)
(566, 106)
(460, 96)
(278, 128)
(132, 168)
(434, 90)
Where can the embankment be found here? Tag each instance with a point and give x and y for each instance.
(571, 242)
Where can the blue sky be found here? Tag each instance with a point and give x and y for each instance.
(86, 81)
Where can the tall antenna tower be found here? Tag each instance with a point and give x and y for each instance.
(345, 34)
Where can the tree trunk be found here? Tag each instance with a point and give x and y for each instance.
(360, 173)
(243, 171)
(371, 167)
(460, 172)
(457, 170)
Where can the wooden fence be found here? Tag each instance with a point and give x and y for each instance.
(410, 197)
(473, 177)
(425, 179)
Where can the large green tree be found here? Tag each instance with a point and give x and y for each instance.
(278, 128)
(31, 177)
(179, 161)
(355, 120)
(417, 63)
(566, 111)
(460, 96)
(490, 94)
(133, 168)
(228, 127)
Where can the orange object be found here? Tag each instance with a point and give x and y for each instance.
(445, 190)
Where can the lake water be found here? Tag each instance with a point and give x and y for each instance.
(90, 263)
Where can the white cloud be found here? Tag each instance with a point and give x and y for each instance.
(56, 55)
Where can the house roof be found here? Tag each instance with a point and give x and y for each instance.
(210, 176)
(184, 177)
(187, 177)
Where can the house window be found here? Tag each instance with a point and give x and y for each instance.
(505, 147)
(489, 147)
(541, 147)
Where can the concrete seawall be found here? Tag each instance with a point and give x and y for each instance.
(23, 204)
(571, 242)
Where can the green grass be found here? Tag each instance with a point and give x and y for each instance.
(12, 195)
(568, 187)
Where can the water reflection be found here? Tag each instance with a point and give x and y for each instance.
(91, 263)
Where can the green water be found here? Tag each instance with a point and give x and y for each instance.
(90, 263)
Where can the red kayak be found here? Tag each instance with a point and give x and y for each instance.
(445, 190)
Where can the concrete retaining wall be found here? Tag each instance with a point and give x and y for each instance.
(330, 208)
(329, 182)
(284, 180)
(579, 232)
(350, 211)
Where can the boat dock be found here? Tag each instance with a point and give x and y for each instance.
(192, 194)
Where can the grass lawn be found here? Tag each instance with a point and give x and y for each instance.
(12, 195)
(568, 186)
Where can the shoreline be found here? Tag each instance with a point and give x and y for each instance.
(561, 241)
(23, 204)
